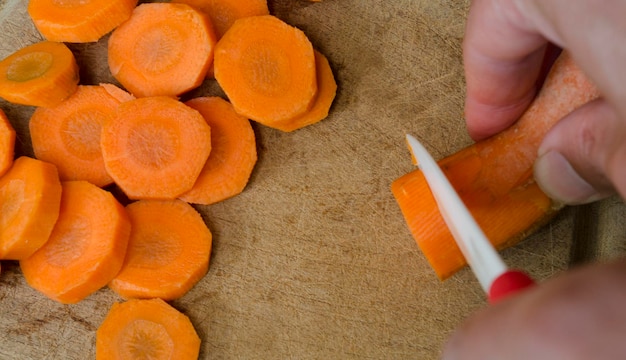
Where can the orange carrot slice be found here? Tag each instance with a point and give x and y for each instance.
(163, 49)
(146, 329)
(41, 74)
(267, 69)
(494, 176)
(68, 135)
(326, 90)
(155, 147)
(233, 153)
(78, 21)
(30, 196)
(168, 250)
(7, 143)
(223, 13)
(86, 248)
(116, 92)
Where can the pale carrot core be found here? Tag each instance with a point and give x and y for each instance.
(264, 70)
(144, 339)
(68, 245)
(158, 49)
(152, 145)
(11, 196)
(81, 134)
(155, 250)
(29, 66)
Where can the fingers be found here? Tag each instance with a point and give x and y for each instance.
(576, 316)
(582, 158)
(502, 61)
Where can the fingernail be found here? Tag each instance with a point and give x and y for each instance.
(558, 179)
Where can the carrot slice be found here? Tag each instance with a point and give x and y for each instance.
(146, 329)
(68, 135)
(116, 92)
(163, 49)
(168, 250)
(494, 176)
(78, 21)
(223, 13)
(7, 143)
(326, 90)
(155, 147)
(41, 74)
(267, 69)
(30, 196)
(233, 153)
(86, 248)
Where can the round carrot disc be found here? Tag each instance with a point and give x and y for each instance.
(267, 69)
(155, 147)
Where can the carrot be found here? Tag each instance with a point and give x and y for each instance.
(7, 143)
(116, 92)
(68, 135)
(163, 49)
(155, 147)
(86, 248)
(494, 176)
(223, 13)
(168, 250)
(30, 194)
(78, 21)
(233, 153)
(267, 69)
(146, 329)
(41, 74)
(326, 90)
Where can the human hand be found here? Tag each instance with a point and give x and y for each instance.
(582, 158)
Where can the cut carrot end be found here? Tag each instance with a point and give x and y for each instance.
(42, 74)
(78, 21)
(7, 143)
(30, 196)
(267, 69)
(68, 135)
(168, 250)
(233, 153)
(86, 247)
(155, 147)
(326, 90)
(146, 329)
(163, 49)
(494, 177)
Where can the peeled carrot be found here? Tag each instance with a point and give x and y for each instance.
(155, 147)
(267, 69)
(223, 13)
(494, 176)
(233, 153)
(146, 329)
(68, 135)
(41, 74)
(86, 248)
(163, 49)
(30, 196)
(168, 250)
(116, 92)
(7, 143)
(326, 90)
(78, 21)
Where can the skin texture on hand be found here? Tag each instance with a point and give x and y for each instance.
(582, 313)
(504, 52)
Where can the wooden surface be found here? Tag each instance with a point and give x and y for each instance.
(313, 260)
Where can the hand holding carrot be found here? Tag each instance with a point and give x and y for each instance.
(578, 315)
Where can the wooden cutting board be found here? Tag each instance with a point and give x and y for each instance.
(313, 260)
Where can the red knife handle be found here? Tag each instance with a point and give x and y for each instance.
(507, 284)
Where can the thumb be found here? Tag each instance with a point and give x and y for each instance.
(583, 157)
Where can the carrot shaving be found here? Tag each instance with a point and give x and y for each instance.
(233, 153)
(146, 329)
(168, 250)
(41, 74)
(86, 248)
(494, 176)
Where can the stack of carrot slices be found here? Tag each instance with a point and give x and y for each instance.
(58, 217)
